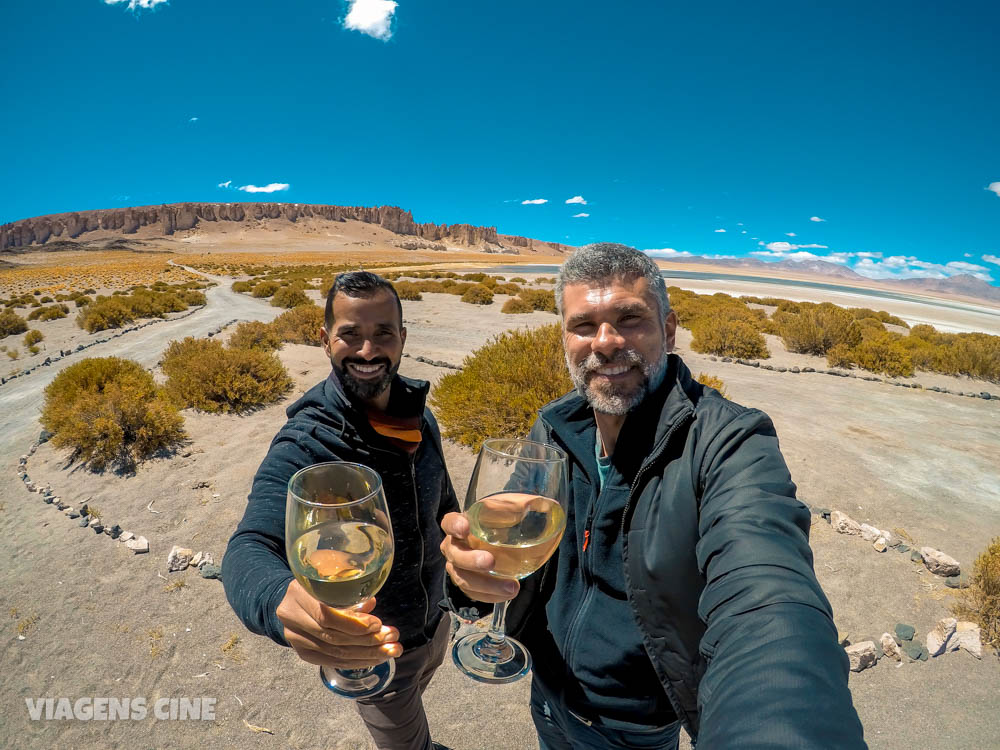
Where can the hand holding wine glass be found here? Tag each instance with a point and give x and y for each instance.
(514, 521)
(339, 544)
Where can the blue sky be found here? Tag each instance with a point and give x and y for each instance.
(863, 133)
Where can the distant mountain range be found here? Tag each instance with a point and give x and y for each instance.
(120, 228)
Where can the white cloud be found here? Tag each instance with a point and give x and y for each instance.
(907, 266)
(193, 119)
(967, 255)
(133, 4)
(720, 231)
(787, 247)
(992, 259)
(790, 234)
(739, 223)
(371, 17)
(961, 265)
(743, 231)
(535, 202)
(271, 188)
(580, 216)
(667, 252)
(225, 184)
(753, 238)
(994, 187)
(865, 254)
(816, 218)
(577, 199)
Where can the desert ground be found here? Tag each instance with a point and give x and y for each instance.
(107, 622)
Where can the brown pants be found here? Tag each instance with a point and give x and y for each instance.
(396, 718)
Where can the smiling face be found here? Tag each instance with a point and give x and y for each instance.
(616, 345)
(365, 344)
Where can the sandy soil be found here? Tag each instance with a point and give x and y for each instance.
(914, 460)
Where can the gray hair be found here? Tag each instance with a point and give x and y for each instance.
(605, 261)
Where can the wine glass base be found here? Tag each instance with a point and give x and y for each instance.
(356, 684)
(482, 659)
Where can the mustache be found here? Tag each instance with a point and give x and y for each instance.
(595, 360)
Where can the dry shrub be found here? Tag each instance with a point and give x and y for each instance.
(543, 300)
(242, 286)
(52, 312)
(300, 325)
(713, 382)
(204, 375)
(728, 337)
(409, 291)
(511, 289)
(502, 385)
(104, 313)
(883, 353)
(289, 297)
(519, 280)
(840, 355)
(255, 335)
(110, 412)
(981, 601)
(265, 288)
(83, 300)
(11, 323)
(516, 306)
(815, 329)
(32, 337)
(478, 295)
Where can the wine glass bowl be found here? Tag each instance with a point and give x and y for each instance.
(515, 512)
(339, 544)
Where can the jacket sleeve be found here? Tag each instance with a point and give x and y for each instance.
(255, 570)
(776, 676)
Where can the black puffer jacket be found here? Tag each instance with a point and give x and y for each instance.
(324, 426)
(718, 570)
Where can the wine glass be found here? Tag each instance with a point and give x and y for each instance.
(515, 510)
(338, 539)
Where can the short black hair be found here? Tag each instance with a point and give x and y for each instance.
(359, 284)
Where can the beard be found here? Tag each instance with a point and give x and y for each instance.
(365, 390)
(617, 400)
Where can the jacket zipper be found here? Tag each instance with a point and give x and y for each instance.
(416, 509)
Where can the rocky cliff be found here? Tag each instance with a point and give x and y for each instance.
(176, 217)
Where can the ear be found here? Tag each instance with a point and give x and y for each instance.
(670, 330)
(325, 338)
(402, 337)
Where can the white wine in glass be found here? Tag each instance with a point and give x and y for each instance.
(515, 511)
(338, 539)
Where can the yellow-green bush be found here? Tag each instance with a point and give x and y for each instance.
(32, 337)
(816, 328)
(713, 382)
(104, 313)
(242, 286)
(205, 375)
(262, 337)
(300, 325)
(478, 295)
(502, 385)
(289, 297)
(409, 290)
(511, 289)
(883, 354)
(727, 337)
(110, 413)
(981, 601)
(516, 306)
(11, 323)
(265, 288)
(543, 300)
(52, 312)
(840, 355)
(518, 280)
(83, 300)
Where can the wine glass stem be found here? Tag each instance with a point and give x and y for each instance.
(496, 632)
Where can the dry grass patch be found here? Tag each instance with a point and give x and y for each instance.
(981, 601)
(713, 382)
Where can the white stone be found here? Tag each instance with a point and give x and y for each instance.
(880, 544)
(196, 560)
(206, 559)
(862, 655)
(939, 563)
(843, 523)
(126, 536)
(937, 639)
(869, 533)
(890, 647)
(178, 559)
(967, 637)
(138, 545)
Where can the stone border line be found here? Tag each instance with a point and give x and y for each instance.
(985, 395)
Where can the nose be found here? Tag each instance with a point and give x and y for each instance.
(608, 340)
(367, 350)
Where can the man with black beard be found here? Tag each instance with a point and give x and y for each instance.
(682, 592)
(364, 412)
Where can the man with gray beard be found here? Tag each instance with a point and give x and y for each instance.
(683, 591)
